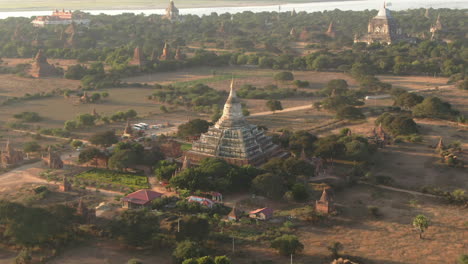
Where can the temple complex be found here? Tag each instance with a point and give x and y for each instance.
(172, 13)
(233, 139)
(10, 156)
(41, 68)
(381, 29)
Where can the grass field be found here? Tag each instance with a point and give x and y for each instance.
(108, 179)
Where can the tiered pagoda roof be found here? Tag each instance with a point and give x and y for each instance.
(382, 28)
(232, 138)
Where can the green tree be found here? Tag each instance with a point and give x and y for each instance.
(123, 159)
(76, 143)
(163, 109)
(408, 100)
(104, 139)
(206, 260)
(95, 97)
(31, 146)
(287, 245)
(164, 170)
(349, 112)
(85, 120)
(433, 107)
(274, 105)
(193, 128)
(135, 227)
(269, 184)
(339, 86)
(89, 154)
(421, 222)
(186, 250)
(222, 260)
(130, 114)
(70, 125)
(75, 72)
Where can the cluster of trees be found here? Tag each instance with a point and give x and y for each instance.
(28, 117)
(186, 237)
(268, 92)
(89, 120)
(397, 124)
(37, 227)
(431, 107)
(341, 100)
(200, 97)
(193, 128)
(215, 174)
(111, 43)
(124, 154)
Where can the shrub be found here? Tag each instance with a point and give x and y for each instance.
(28, 117)
(284, 76)
(301, 84)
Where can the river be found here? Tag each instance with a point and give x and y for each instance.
(307, 7)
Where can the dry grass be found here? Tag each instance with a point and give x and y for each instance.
(12, 85)
(449, 93)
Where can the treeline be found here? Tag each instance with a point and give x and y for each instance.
(111, 40)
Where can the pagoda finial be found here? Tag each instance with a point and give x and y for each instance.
(232, 92)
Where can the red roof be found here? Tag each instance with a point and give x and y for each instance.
(266, 211)
(142, 196)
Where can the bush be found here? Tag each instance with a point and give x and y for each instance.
(350, 112)
(28, 117)
(301, 84)
(284, 76)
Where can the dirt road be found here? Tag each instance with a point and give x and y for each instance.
(290, 109)
(25, 174)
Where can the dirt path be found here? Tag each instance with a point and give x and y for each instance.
(290, 109)
(25, 174)
(399, 190)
